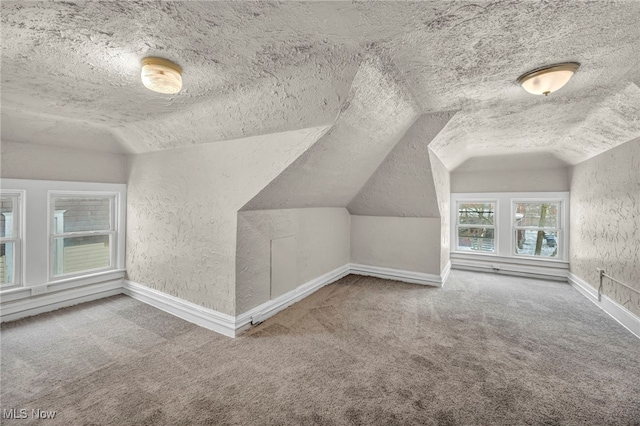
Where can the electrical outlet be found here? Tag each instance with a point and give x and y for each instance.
(41, 289)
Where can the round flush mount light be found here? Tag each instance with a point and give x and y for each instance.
(161, 75)
(545, 80)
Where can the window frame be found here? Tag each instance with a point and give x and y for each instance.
(494, 226)
(17, 238)
(559, 228)
(113, 231)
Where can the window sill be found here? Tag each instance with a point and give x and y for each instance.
(18, 293)
(508, 259)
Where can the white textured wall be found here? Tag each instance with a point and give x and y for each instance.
(41, 162)
(605, 221)
(408, 243)
(182, 208)
(322, 240)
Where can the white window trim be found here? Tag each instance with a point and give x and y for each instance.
(494, 227)
(505, 226)
(18, 238)
(113, 232)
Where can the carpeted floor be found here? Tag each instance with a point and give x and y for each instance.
(484, 350)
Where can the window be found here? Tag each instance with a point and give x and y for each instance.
(476, 226)
(10, 239)
(58, 235)
(499, 228)
(83, 232)
(536, 228)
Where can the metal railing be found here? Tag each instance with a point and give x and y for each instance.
(602, 273)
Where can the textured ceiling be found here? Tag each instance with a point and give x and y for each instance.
(254, 68)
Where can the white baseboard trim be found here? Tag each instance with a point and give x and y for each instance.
(196, 314)
(222, 323)
(272, 307)
(616, 311)
(208, 318)
(234, 326)
(26, 307)
(400, 275)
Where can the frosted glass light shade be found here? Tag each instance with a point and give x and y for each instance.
(161, 75)
(543, 81)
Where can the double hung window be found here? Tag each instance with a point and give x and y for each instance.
(10, 239)
(537, 229)
(476, 226)
(83, 233)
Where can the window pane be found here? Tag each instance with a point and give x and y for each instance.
(531, 242)
(476, 213)
(6, 263)
(476, 239)
(6, 217)
(77, 214)
(75, 254)
(542, 215)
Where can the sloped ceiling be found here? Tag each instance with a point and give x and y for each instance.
(264, 67)
(375, 116)
(50, 129)
(403, 185)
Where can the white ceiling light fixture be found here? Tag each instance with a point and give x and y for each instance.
(545, 80)
(161, 75)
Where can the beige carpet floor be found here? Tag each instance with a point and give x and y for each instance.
(484, 350)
